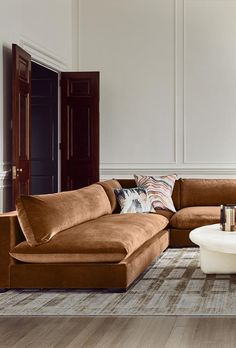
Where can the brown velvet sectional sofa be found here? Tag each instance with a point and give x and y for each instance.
(91, 245)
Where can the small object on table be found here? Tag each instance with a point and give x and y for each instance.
(227, 217)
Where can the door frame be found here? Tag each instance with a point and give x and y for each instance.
(21, 122)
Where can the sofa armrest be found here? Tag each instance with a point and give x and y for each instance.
(10, 236)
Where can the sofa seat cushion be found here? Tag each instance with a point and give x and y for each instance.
(109, 238)
(193, 217)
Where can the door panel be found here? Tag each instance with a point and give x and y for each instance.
(21, 122)
(80, 129)
(44, 130)
(79, 144)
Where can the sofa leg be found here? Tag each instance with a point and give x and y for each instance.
(3, 290)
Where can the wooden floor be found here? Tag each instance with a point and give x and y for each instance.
(102, 332)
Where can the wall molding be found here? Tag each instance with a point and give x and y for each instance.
(127, 165)
(188, 171)
(75, 34)
(175, 111)
(44, 56)
(183, 81)
(185, 160)
(175, 84)
(188, 167)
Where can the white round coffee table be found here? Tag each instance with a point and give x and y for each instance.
(217, 249)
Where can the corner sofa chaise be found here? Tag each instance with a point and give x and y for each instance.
(67, 244)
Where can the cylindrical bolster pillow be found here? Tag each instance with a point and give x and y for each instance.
(43, 216)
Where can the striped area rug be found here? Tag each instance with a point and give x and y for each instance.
(173, 285)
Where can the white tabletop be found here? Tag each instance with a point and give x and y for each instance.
(212, 238)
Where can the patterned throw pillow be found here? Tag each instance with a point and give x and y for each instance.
(134, 200)
(159, 189)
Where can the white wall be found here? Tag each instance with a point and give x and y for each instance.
(168, 84)
(47, 29)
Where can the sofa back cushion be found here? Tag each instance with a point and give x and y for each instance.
(127, 183)
(176, 194)
(43, 216)
(109, 187)
(207, 192)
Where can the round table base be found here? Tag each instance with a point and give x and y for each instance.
(215, 262)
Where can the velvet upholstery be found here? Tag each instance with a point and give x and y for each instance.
(42, 216)
(109, 186)
(179, 238)
(207, 192)
(168, 214)
(10, 236)
(193, 217)
(176, 194)
(127, 183)
(90, 275)
(109, 238)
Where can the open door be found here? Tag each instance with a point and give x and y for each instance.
(79, 126)
(21, 122)
(79, 129)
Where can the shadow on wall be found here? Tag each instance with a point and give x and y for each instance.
(7, 133)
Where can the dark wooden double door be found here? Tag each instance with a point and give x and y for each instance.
(79, 125)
